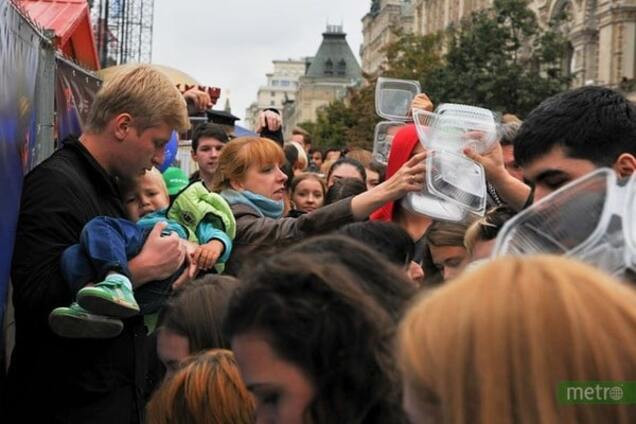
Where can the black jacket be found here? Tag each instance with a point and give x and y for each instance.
(52, 379)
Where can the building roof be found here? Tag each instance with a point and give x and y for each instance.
(70, 20)
(334, 58)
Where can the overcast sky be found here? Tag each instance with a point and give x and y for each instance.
(231, 43)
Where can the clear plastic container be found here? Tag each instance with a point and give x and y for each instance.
(424, 203)
(454, 127)
(393, 98)
(589, 219)
(629, 221)
(457, 179)
(382, 140)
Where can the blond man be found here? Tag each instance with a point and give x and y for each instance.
(129, 125)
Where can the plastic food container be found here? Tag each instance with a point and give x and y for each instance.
(393, 98)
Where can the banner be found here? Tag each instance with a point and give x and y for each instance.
(19, 45)
(75, 90)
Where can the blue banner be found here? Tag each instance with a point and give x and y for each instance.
(75, 90)
(19, 46)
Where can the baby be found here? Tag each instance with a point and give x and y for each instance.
(203, 221)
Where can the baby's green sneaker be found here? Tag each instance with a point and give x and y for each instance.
(76, 322)
(112, 297)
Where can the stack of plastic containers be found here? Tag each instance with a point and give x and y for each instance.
(393, 99)
(455, 185)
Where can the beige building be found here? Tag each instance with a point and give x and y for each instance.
(330, 73)
(281, 86)
(602, 33)
(377, 31)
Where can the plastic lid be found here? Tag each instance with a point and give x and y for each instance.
(629, 221)
(384, 133)
(453, 127)
(393, 98)
(457, 179)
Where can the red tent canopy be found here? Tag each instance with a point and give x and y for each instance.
(70, 20)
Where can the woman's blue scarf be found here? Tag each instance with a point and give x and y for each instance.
(264, 206)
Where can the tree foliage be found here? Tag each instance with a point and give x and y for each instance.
(499, 58)
(332, 123)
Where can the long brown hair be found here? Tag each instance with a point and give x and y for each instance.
(494, 344)
(326, 320)
(206, 389)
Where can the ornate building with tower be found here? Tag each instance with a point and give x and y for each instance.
(330, 73)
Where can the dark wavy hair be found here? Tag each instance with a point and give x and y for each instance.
(348, 161)
(343, 188)
(318, 316)
(386, 238)
(383, 280)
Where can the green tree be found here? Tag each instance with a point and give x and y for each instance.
(500, 58)
(361, 103)
(331, 125)
(416, 57)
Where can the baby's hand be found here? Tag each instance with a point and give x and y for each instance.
(206, 255)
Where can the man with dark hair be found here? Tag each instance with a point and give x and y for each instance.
(574, 133)
(207, 142)
(303, 137)
(564, 138)
(315, 160)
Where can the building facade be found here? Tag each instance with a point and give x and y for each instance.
(602, 33)
(330, 73)
(281, 86)
(377, 30)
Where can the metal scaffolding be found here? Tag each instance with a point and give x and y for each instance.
(123, 30)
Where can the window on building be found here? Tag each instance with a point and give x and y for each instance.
(342, 67)
(284, 83)
(275, 83)
(273, 94)
(328, 67)
(271, 103)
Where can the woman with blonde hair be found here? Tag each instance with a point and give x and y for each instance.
(494, 345)
(250, 179)
(207, 389)
(442, 251)
(480, 237)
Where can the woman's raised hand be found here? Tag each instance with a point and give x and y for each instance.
(410, 177)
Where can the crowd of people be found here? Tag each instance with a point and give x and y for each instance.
(283, 283)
